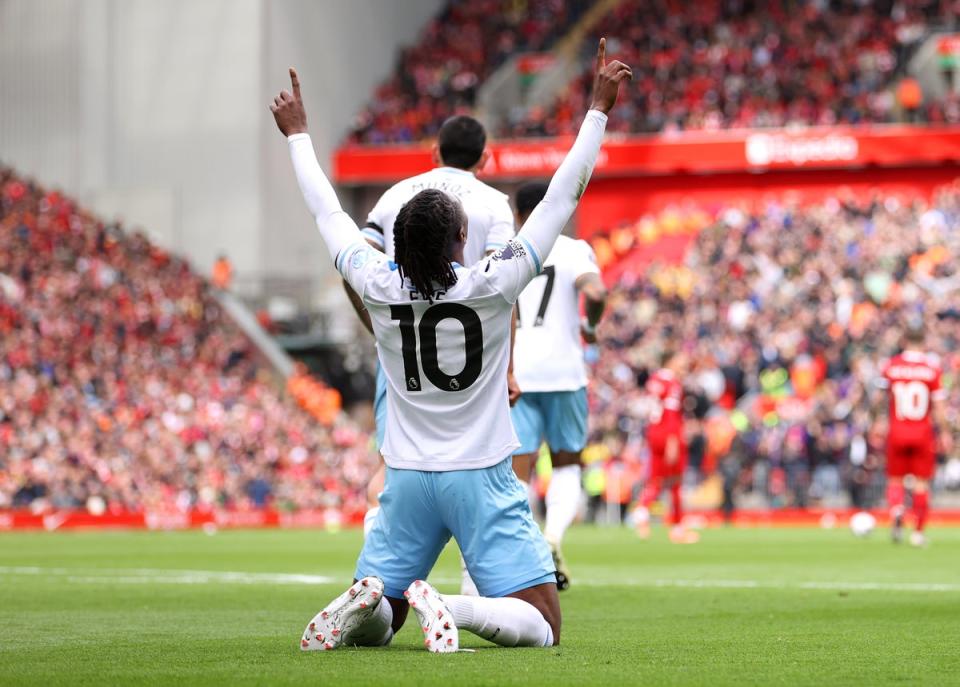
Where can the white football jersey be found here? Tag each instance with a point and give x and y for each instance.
(445, 362)
(548, 352)
(489, 217)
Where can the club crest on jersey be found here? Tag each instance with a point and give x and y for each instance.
(454, 384)
(359, 258)
(412, 384)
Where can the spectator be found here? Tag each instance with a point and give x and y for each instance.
(439, 76)
(792, 309)
(121, 379)
(716, 65)
(222, 273)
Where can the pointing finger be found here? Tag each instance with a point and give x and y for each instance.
(295, 83)
(602, 54)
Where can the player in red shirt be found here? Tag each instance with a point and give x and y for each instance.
(916, 402)
(668, 447)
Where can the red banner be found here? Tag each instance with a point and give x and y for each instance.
(317, 519)
(330, 518)
(689, 152)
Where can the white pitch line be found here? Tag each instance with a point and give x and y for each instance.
(168, 576)
(779, 584)
(162, 576)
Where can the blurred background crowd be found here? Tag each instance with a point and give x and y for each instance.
(719, 65)
(122, 381)
(439, 75)
(125, 385)
(709, 65)
(785, 315)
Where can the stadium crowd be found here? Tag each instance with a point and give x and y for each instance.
(457, 50)
(785, 315)
(709, 65)
(123, 385)
(715, 65)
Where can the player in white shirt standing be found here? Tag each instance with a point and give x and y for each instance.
(459, 153)
(551, 374)
(443, 339)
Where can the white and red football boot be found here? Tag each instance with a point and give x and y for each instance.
(331, 627)
(440, 633)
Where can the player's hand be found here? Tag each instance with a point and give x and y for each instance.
(513, 389)
(606, 83)
(287, 109)
(946, 443)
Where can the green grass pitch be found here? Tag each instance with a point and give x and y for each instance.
(743, 607)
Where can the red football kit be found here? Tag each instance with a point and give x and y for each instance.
(666, 420)
(913, 383)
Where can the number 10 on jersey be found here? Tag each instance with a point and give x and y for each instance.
(424, 354)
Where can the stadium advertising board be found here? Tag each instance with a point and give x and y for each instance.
(690, 152)
(332, 519)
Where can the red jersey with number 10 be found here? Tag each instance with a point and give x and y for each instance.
(913, 381)
(666, 415)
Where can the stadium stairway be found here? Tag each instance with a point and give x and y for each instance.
(503, 91)
(927, 64)
(247, 321)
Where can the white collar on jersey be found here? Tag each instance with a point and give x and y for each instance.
(455, 170)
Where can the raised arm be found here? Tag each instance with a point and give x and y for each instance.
(570, 180)
(336, 227)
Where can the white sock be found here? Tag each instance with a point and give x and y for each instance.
(369, 519)
(505, 621)
(467, 586)
(376, 631)
(563, 501)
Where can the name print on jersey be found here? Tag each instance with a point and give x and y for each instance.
(446, 186)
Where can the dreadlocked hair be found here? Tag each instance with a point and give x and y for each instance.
(423, 234)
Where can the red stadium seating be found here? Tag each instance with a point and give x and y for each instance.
(786, 313)
(124, 386)
(458, 49)
(715, 65)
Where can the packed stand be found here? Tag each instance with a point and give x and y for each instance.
(124, 386)
(786, 315)
(455, 53)
(722, 64)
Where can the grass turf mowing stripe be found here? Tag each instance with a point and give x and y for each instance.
(619, 628)
(163, 576)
